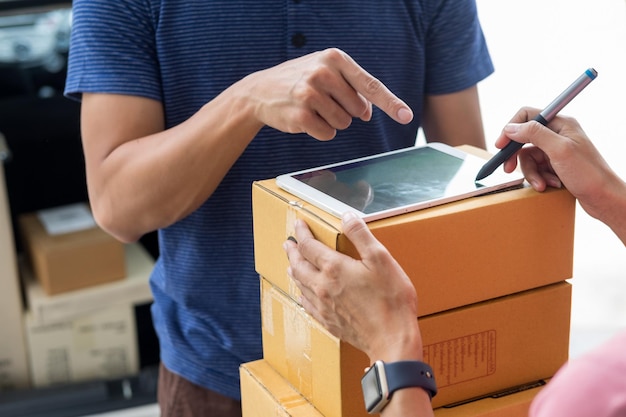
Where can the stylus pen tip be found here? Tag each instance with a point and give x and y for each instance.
(482, 174)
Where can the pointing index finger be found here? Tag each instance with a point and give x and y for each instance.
(372, 89)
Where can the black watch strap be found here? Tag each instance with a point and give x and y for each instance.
(404, 374)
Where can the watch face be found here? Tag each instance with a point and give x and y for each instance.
(373, 384)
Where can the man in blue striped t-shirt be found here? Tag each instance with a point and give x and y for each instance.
(184, 104)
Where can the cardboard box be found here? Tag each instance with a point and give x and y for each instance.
(70, 261)
(474, 350)
(482, 247)
(265, 393)
(513, 403)
(133, 289)
(98, 345)
(13, 362)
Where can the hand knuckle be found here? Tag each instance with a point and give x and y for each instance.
(373, 86)
(331, 270)
(333, 54)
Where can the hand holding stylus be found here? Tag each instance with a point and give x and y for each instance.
(544, 118)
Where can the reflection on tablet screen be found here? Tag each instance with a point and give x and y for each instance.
(394, 180)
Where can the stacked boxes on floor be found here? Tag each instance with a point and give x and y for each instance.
(81, 287)
(68, 251)
(13, 361)
(494, 306)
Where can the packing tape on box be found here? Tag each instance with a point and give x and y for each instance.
(290, 218)
(290, 230)
(294, 401)
(297, 325)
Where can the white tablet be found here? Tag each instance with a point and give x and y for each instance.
(396, 182)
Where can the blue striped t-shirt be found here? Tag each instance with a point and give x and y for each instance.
(184, 53)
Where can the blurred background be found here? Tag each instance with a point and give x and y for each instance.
(538, 49)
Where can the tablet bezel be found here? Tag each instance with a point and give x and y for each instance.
(499, 180)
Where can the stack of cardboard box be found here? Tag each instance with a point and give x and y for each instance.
(13, 362)
(494, 306)
(68, 251)
(81, 287)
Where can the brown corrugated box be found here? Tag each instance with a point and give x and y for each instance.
(474, 350)
(478, 248)
(133, 289)
(511, 403)
(265, 393)
(101, 344)
(70, 261)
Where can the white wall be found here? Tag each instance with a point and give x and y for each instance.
(539, 47)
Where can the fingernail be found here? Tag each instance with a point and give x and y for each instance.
(348, 216)
(405, 115)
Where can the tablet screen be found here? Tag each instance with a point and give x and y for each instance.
(412, 178)
(396, 180)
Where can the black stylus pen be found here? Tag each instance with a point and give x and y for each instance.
(544, 118)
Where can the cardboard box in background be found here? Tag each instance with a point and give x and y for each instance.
(133, 289)
(479, 248)
(70, 261)
(98, 345)
(474, 350)
(265, 393)
(13, 362)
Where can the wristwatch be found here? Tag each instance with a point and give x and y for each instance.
(381, 380)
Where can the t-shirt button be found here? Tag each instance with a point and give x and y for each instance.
(298, 40)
